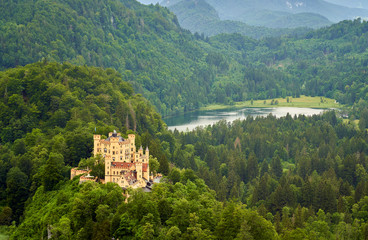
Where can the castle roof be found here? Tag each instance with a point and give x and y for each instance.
(128, 166)
(124, 165)
(121, 139)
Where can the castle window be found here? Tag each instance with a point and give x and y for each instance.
(113, 152)
(107, 172)
(113, 159)
(113, 147)
(132, 149)
(105, 150)
(121, 158)
(121, 152)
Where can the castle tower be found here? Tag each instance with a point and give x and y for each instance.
(139, 169)
(96, 144)
(131, 138)
(147, 155)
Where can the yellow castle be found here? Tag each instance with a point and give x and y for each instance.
(123, 164)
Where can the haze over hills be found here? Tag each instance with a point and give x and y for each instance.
(242, 9)
(199, 16)
(351, 4)
(265, 13)
(149, 1)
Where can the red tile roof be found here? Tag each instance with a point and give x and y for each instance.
(124, 165)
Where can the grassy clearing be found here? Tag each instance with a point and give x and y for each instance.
(302, 102)
(3, 237)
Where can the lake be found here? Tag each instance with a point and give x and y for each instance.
(191, 120)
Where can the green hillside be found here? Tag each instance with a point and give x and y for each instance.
(144, 43)
(328, 62)
(173, 69)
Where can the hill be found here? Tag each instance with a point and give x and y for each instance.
(199, 16)
(246, 10)
(143, 43)
(350, 4)
(327, 62)
(175, 70)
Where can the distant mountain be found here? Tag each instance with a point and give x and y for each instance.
(351, 4)
(199, 16)
(147, 2)
(279, 19)
(245, 10)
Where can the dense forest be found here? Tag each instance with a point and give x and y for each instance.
(175, 70)
(48, 115)
(293, 177)
(327, 62)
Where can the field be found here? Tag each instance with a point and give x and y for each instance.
(302, 102)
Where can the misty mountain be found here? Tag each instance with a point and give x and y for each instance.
(351, 4)
(199, 16)
(147, 2)
(247, 10)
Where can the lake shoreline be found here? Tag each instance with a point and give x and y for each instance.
(189, 121)
(302, 102)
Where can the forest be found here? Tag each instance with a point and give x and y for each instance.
(145, 44)
(100, 66)
(295, 177)
(176, 70)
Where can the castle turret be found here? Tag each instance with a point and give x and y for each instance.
(96, 144)
(147, 155)
(139, 169)
(147, 151)
(131, 138)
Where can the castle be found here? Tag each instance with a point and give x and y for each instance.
(123, 164)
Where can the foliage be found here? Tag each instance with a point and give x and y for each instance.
(48, 115)
(174, 70)
(98, 211)
(308, 165)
